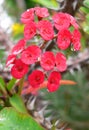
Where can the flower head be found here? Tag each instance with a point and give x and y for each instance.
(64, 39)
(61, 21)
(10, 60)
(41, 12)
(45, 29)
(53, 81)
(36, 78)
(60, 60)
(76, 40)
(27, 16)
(73, 21)
(19, 69)
(19, 47)
(30, 30)
(30, 54)
(47, 60)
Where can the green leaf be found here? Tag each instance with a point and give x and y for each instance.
(52, 4)
(10, 119)
(86, 3)
(17, 102)
(2, 85)
(11, 84)
(85, 26)
(87, 17)
(84, 9)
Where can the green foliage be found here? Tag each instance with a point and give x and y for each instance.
(17, 102)
(52, 4)
(86, 3)
(11, 83)
(84, 9)
(71, 103)
(10, 119)
(11, 7)
(2, 54)
(2, 85)
(85, 22)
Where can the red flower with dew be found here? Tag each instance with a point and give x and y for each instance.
(31, 54)
(45, 29)
(54, 81)
(10, 60)
(19, 47)
(27, 16)
(60, 60)
(47, 61)
(30, 30)
(64, 39)
(41, 12)
(61, 21)
(36, 78)
(76, 40)
(19, 69)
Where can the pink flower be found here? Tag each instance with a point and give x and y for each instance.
(77, 46)
(19, 69)
(36, 78)
(73, 21)
(64, 39)
(30, 54)
(53, 81)
(47, 60)
(10, 60)
(76, 40)
(30, 30)
(76, 35)
(27, 16)
(41, 12)
(61, 62)
(45, 29)
(19, 47)
(61, 21)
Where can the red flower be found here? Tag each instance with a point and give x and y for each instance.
(73, 21)
(27, 16)
(30, 55)
(30, 30)
(64, 39)
(36, 78)
(19, 69)
(47, 60)
(53, 81)
(76, 40)
(61, 21)
(61, 62)
(19, 47)
(41, 12)
(76, 36)
(10, 60)
(77, 46)
(46, 29)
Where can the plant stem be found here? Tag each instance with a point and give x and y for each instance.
(20, 86)
(43, 45)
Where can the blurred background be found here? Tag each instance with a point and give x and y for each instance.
(68, 108)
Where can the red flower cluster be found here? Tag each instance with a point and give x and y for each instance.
(49, 61)
(22, 55)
